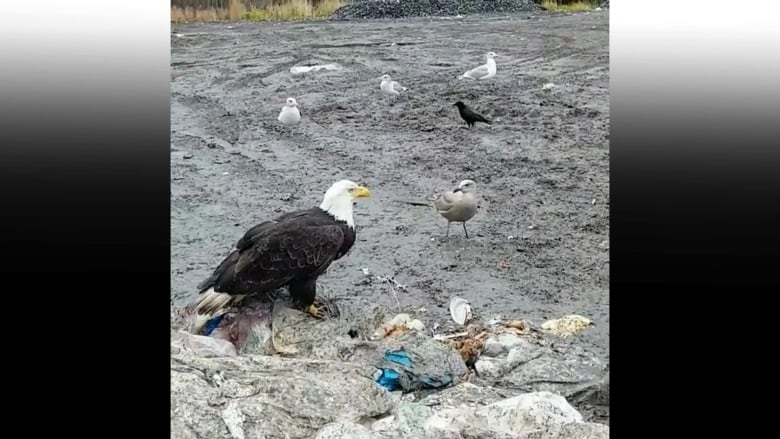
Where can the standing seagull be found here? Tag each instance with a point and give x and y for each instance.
(469, 115)
(459, 205)
(290, 115)
(390, 87)
(485, 71)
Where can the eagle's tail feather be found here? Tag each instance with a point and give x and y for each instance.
(211, 304)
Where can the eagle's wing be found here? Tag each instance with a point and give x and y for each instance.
(281, 254)
(251, 235)
(247, 240)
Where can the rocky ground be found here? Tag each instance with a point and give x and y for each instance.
(539, 244)
(429, 8)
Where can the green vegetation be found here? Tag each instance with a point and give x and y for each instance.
(569, 6)
(293, 10)
(233, 10)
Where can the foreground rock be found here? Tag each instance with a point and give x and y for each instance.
(273, 397)
(268, 397)
(217, 393)
(539, 415)
(534, 364)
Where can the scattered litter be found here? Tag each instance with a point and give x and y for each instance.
(593, 202)
(548, 86)
(393, 285)
(226, 173)
(212, 324)
(469, 344)
(445, 337)
(365, 271)
(566, 326)
(604, 244)
(510, 237)
(521, 325)
(390, 378)
(387, 378)
(531, 227)
(305, 69)
(398, 325)
(178, 35)
(460, 310)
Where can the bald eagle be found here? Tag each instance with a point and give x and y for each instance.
(290, 251)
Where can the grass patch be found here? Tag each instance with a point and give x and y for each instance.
(293, 10)
(235, 10)
(569, 6)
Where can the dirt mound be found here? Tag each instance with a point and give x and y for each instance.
(423, 8)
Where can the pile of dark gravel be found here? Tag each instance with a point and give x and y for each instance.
(426, 8)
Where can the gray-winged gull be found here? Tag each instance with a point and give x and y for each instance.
(459, 205)
(485, 71)
(390, 87)
(290, 115)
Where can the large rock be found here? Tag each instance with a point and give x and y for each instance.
(538, 415)
(346, 430)
(534, 364)
(268, 397)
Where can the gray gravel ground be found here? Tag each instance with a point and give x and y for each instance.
(539, 244)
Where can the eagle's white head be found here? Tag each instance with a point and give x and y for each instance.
(339, 198)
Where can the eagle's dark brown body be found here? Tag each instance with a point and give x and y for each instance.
(292, 251)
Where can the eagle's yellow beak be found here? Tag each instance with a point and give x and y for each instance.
(361, 192)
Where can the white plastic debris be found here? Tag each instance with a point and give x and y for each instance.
(460, 310)
(548, 86)
(305, 69)
(401, 321)
(566, 326)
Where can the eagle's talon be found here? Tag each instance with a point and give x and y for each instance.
(317, 310)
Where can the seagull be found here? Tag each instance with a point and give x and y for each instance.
(485, 71)
(459, 205)
(290, 115)
(469, 115)
(390, 87)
